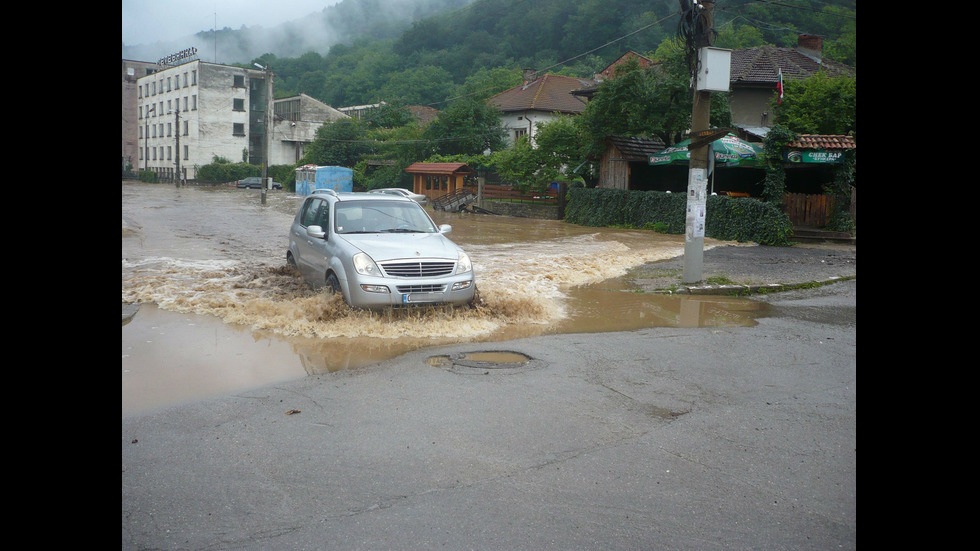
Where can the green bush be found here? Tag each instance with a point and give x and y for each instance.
(727, 218)
(149, 177)
(220, 173)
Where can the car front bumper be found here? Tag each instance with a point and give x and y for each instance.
(381, 292)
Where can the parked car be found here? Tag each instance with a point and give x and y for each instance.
(255, 182)
(420, 199)
(378, 250)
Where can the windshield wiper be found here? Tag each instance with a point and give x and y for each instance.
(402, 230)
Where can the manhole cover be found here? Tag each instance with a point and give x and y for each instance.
(484, 362)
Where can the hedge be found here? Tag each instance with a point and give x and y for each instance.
(727, 218)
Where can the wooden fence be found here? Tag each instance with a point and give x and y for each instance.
(808, 210)
(503, 192)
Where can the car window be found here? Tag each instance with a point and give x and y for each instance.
(312, 213)
(382, 216)
(323, 215)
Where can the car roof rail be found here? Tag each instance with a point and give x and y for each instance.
(325, 190)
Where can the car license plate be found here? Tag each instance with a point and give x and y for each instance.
(416, 298)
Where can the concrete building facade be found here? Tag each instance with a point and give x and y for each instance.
(190, 113)
(132, 71)
(295, 122)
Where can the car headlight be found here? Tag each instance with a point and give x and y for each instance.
(364, 265)
(463, 265)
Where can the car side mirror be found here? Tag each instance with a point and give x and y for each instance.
(445, 228)
(316, 232)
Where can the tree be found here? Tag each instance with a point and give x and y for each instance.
(387, 115)
(640, 102)
(339, 143)
(818, 104)
(417, 86)
(485, 83)
(558, 149)
(468, 126)
(523, 166)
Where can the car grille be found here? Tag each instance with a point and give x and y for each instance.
(418, 269)
(421, 288)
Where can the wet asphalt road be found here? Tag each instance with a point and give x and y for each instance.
(662, 438)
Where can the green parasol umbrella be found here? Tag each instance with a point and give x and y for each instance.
(729, 150)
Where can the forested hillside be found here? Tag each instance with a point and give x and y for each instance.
(482, 47)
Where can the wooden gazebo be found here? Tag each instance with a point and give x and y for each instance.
(437, 179)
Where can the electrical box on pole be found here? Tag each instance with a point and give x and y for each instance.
(714, 69)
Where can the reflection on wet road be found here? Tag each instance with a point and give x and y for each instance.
(229, 314)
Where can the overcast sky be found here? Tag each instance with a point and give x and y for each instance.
(149, 21)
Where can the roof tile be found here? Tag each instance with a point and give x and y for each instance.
(763, 64)
(551, 93)
(823, 141)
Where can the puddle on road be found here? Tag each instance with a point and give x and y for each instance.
(171, 358)
(220, 312)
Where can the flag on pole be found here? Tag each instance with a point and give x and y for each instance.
(779, 86)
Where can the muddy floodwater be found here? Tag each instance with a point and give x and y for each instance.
(221, 312)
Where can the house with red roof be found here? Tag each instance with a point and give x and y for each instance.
(538, 100)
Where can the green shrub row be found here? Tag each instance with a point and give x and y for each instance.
(220, 173)
(727, 218)
(223, 172)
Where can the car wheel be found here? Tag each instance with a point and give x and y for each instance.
(291, 261)
(333, 284)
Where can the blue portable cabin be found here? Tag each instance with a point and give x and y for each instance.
(311, 177)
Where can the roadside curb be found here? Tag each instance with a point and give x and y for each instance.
(128, 311)
(742, 289)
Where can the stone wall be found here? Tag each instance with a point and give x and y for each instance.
(524, 210)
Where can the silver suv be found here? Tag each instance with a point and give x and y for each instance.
(378, 250)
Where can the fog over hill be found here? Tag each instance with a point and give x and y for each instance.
(341, 23)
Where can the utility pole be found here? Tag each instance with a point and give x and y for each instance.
(267, 129)
(698, 173)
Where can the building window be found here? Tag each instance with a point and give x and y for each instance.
(194, 77)
(287, 110)
(194, 102)
(238, 104)
(519, 133)
(169, 130)
(169, 108)
(238, 129)
(154, 131)
(185, 128)
(185, 104)
(185, 80)
(168, 84)
(169, 152)
(185, 152)
(239, 81)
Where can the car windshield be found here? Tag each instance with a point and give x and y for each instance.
(382, 216)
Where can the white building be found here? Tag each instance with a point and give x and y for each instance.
(539, 100)
(188, 114)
